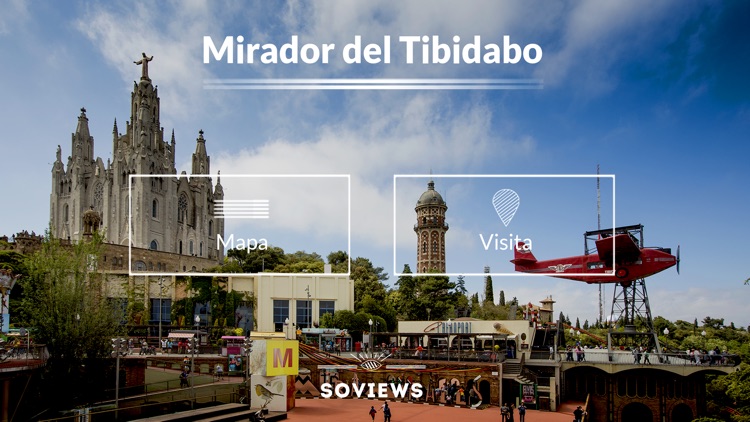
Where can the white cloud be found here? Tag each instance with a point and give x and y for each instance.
(597, 35)
(375, 140)
(171, 34)
(14, 12)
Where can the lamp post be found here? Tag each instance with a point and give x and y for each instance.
(193, 345)
(198, 330)
(247, 347)
(161, 291)
(371, 345)
(119, 345)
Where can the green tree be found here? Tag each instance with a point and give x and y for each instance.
(14, 263)
(368, 281)
(418, 293)
(489, 294)
(327, 321)
(461, 285)
(715, 323)
(502, 298)
(254, 261)
(338, 261)
(732, 391)
(66, 301)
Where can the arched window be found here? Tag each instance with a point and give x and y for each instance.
(200, 249)
(180, 252)
(155, 209)
(191, 247)
(182, 205)
(154, 246)
(65, 213)
(210, 227)
(424, 247)
(434, 246)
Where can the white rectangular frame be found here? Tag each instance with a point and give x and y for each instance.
(186, 273)
(498, 176)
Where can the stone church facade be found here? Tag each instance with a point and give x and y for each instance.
(171, 213)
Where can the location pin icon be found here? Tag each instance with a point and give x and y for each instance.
(506, 202)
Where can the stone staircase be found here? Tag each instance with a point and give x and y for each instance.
(512, 370)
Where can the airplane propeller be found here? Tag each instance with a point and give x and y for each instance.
(678, 259)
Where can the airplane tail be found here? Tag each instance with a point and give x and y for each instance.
(522, 257)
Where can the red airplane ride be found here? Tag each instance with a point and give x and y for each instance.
(632, 263)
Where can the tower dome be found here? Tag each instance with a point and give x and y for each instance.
(430, 196)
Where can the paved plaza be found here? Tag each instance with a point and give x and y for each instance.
(311, 410)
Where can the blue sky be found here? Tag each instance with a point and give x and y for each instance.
(655, 93)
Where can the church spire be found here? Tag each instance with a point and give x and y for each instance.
(200, 157)
(218, 189)
(82, 128)
(82, 142)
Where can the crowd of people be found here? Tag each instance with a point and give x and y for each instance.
(167, 346)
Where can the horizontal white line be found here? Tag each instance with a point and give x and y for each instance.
(230, 213)
(243, 208)
(370, 87)
(372, 81)
(231, 217)
(502, 176)
(233, 201)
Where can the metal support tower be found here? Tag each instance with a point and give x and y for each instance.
(630, 300)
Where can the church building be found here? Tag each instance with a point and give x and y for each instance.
(170, 213)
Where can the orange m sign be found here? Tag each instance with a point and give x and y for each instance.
(282, 357)
(285, 361)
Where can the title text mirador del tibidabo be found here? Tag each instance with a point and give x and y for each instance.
(424, 49)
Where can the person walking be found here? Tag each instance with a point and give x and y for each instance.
(510, 412)
(521, 412)
(183, 379)
(504, 412)
(578, 414)
(386, 412)
(373, 412)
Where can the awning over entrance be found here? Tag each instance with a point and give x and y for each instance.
(181, 335)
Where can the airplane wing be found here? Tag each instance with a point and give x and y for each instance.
(625, 249)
